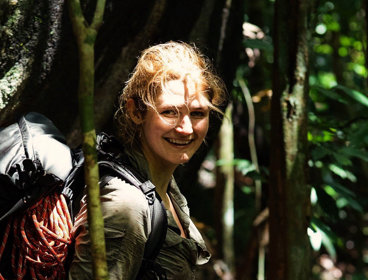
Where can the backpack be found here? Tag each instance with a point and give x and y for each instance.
(41, 184)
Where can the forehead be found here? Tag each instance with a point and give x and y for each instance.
(179, 92)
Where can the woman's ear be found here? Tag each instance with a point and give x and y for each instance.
(133, 112)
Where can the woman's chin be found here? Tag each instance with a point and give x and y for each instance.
(183, 159)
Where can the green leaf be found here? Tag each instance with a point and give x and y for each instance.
(247, 189)
(342, 159)
(342, 190)
(343, 173)
(358, 153)
(328, 237)
(315, 222)
(244, 166)
(356, 95)
(349, 201)
(327, 203)
(331, 94)
(319, 152)
(258, 44)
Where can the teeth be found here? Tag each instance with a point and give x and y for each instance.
(179, 142)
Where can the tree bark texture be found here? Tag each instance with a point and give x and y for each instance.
(39, 65)
(289, 203)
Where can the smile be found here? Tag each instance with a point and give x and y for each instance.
(179, 142)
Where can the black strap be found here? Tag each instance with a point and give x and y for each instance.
(23, 128)
(158, 214)
(113, 164)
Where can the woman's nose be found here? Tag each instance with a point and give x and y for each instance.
(185, 125)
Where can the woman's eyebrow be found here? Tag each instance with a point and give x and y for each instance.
(199, 107)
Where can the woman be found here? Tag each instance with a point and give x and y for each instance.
(162, 121)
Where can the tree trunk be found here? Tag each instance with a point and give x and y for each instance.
(289, 204)
(38, 65)
(225, 190)
(85, 35)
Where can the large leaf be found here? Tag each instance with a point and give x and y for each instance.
(351, 202)
(320, 151)
(327, 204)
(340, 189)
(342, 172)
(363, 155)
(354, 94)
(328, 237)
(332, 94)
(258, 44)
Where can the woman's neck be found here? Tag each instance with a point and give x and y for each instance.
(160, 176)
(160, 173)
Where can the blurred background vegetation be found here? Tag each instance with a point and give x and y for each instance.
(337, 137)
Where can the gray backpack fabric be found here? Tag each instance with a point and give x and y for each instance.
(35, 161)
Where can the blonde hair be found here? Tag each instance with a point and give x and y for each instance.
(156, 66)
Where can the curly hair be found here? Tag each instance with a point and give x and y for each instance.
(156, 66)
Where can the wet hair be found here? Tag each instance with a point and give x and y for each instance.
(156, 66)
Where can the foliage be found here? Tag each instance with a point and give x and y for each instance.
(337, 133)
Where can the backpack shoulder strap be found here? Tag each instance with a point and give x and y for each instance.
(155, 240)
(109, 168)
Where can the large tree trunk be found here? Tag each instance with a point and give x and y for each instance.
(38, 65)
(289, 204)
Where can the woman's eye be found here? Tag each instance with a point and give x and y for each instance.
(169, 113)
(198, 114)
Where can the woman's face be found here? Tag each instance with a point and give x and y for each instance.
(173, 133)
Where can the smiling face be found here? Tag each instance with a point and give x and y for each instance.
(174, 130)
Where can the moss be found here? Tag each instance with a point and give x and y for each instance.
(10, 83)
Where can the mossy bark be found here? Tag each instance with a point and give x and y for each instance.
(289, 249)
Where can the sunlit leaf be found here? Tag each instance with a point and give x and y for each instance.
(313, 196)
(328, 237)
(323, 49)
(343, 51)
(244, 166)
(315, 238)
(330, 191)
(343, 173)
(327, 79)
(247, 189)
(341, 189)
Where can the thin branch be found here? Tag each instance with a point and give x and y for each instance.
(251, 140)
(86, 36)
(258, 183)
(98, 16)
(78, 20)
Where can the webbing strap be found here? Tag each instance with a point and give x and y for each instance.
(157, 210)
(23, 128)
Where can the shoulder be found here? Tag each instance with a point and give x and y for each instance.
(124, 202)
